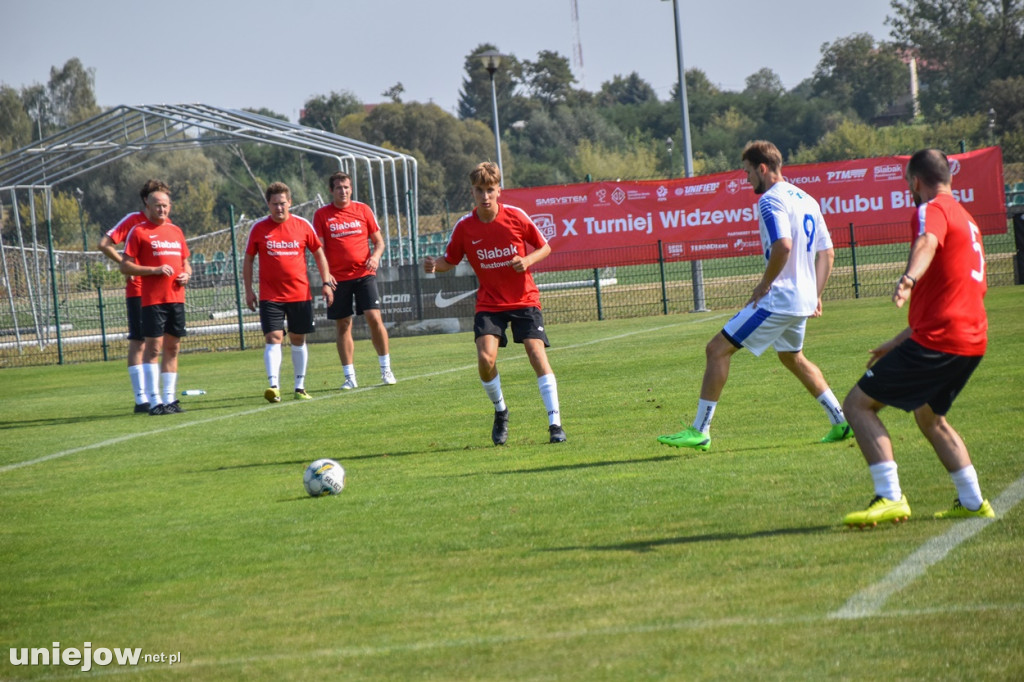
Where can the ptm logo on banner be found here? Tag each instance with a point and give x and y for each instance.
(851, 175)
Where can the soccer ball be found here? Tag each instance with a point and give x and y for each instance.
(324, 477)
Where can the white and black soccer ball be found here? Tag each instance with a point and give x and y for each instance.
(324, 477)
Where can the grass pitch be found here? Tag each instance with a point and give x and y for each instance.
(606, 558)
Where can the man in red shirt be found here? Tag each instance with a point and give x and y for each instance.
(924, 367)
(132, 292)
(156, 251)
(346, 228)
(494, 239)
(281, 240)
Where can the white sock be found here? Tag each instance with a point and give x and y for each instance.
(170, 382)
(549, 394)
(138, 383)
(967, 488)
(300, 357)
(832, 407)
(493, 388)
(349, 371)
(272, 362)
(151, 374)
(385, 361)
(705, 411)
(887, 482)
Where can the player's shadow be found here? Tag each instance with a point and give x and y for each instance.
(641, 546)
(579, 466)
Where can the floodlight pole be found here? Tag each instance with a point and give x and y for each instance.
(696, 267)
(492, 60)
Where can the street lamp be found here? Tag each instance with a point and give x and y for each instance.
(671, 162)
(79, 195)
(491, 60)
(696, 267)
(991, 125)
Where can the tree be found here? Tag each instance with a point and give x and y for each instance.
(475, 96)
(637, 160)
(860, 76)
(549, 79)
(15, 124)
(963, 46)
(326, 111)
(394, 93)
(628, 91)
(71, 96)
(446, 148)
(763, 83)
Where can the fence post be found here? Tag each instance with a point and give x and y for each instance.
(853, 258)
(238, 289)
(53, 288)
(664, 287)
(597, 292)
(1018, 240)
(103, 323)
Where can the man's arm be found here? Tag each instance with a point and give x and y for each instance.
(431, 265)
(776, 262)
(250, 295)
(327, 288)
(109, 249)
(523, 263)
(921, 254)
(373, 262)
(130, 267)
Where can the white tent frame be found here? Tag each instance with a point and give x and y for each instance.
(393, 178)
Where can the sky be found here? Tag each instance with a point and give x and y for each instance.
(278, 55)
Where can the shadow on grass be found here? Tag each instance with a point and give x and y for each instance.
(650, 545)
(581, 465)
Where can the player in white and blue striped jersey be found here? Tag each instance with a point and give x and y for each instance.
(799, 255)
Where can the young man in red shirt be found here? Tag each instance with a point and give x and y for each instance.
(346, 228)
(132, 292)
(924, 367)
(155, 251)
(281, 240)
(493, 238)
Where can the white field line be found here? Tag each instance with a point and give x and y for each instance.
(869, 601)
(244, 413)
(367, 651)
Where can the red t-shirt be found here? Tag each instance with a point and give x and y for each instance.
(947, 309)
(281, 249)
(490, 247)
(345, 233)
(155, 245)
(118, 234)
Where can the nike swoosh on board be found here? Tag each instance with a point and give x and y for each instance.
(441, 302)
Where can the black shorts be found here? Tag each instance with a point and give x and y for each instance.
(911, 375)
(299, 316)
(163, 318)
(362, 289)
(133, 304)
(527, 323)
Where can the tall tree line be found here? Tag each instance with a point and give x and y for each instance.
(969, 56)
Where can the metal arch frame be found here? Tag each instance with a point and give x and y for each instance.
(125, 130)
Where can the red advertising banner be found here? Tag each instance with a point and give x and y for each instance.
(712, 216)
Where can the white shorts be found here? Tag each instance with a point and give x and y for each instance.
(757, 328)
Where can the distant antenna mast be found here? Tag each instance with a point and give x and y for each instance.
(577, 46)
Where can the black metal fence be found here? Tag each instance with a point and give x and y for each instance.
(78, 314)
